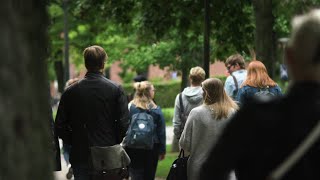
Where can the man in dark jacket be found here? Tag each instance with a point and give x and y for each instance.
(262, 135)
(92, 112)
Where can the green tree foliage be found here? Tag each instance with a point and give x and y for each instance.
(169, 32)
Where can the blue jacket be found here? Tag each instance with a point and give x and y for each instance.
(160, 136)
(247, 92)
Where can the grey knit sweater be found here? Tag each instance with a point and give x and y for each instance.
(199, 135)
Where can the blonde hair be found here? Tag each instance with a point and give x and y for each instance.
(216, 98)
(197, 75)
(257, 76)
(305, 38)
(142, 97)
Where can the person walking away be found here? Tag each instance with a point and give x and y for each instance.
(144, 161)
(66, 148)
(236, 68)
(91, 112)
(205, 123)
(258, 84)
(263, 134)
(190, 98)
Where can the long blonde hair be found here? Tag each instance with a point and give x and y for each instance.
(216, 98)
(142, 97)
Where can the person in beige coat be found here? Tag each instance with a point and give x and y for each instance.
(205, 123)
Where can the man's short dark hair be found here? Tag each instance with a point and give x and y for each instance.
(235, 59)
(94, 58)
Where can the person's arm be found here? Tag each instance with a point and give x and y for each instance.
(123, 113)
(185, 141)
(62, 124)
(279, 92)
(241, 96)
(231, 147)
(176, 118)
(161, 132)
(229, 86)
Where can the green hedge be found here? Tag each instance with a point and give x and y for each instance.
(168, 115)
(166, 92)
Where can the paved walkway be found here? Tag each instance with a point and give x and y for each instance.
(61, 175)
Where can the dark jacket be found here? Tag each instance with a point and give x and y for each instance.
(262, 135)
(246, 93)
(87, 114)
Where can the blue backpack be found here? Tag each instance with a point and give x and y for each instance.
(141, 131)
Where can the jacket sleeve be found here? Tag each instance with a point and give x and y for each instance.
(279, 92)
(241, 96)
(185, 141)
(62, 123)
(123, 113)
(176, 118)
(161, 132)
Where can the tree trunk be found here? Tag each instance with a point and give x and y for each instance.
(184, 77)
(24, 123)
(264, 36)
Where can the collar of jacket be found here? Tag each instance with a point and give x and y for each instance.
(94, 74)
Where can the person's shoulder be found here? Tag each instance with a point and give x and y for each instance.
(157, 109)
(72, 87)
(199, 109)
(112, 84)
(229, 79)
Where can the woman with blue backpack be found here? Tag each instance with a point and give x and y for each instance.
(145, 141)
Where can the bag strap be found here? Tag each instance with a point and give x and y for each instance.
(181, 104)
(235, 83)
(295, 156)
(181, 154)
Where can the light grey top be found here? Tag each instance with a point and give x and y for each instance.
(229, 85)
(191, 98)
(199, 135)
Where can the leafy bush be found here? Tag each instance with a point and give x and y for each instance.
(168, 115)
(221, 77)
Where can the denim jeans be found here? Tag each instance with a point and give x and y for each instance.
(81, 171)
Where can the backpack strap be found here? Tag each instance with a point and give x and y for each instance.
(295, 156)
(181, 104)
(235, 83)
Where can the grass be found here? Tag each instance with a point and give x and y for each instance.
(165, 165)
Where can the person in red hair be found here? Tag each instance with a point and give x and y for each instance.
(257, 82)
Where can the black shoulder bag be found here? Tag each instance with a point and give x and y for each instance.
(178, 170)
(109, 162)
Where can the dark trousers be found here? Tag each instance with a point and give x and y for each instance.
(143, 163)
(81, 171)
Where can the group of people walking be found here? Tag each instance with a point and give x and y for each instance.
(244, 127)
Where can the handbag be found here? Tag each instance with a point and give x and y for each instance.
(109, 161)
(178, 170)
